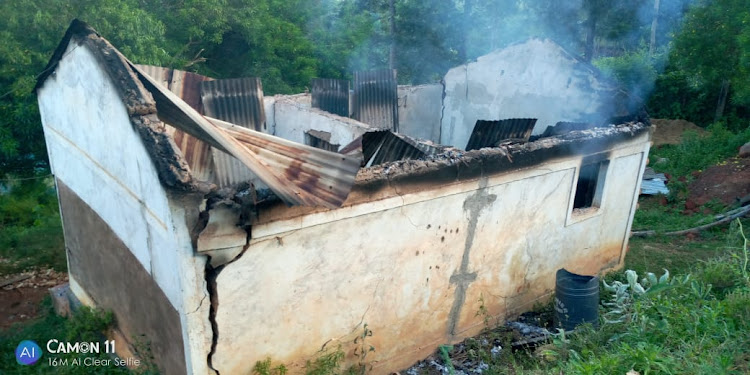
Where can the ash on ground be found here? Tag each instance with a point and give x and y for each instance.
(473, 355)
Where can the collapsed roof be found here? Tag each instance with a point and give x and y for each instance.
(193, 149)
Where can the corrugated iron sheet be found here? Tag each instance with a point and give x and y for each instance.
(376, 98)
(317, 177)
(386, 146)
(187, 86)
(491, 133)
(238, 101)
(298, 174)
(321, 140)
(331, 95)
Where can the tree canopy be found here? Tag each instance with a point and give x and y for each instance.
(288, 42)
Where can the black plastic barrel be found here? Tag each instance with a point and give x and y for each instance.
(576, 300)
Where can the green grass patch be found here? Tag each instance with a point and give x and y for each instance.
(30, 228)
(694, 322)
(87, 325)
(696, 153)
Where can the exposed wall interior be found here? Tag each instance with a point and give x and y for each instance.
(222, 272)
(294, 116)
(419, 111)
(535, 79)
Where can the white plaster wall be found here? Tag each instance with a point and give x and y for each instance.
(536, 79)
(396, 263)
(294, 116)
(269, 105)
(419, 111)
(95, 150)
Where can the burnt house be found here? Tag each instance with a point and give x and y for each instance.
(228, 227)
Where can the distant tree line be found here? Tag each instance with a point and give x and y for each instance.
(691, 57)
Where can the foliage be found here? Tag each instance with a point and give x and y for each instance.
(636, 71)
(714, 47)
(682, 325)
(30, 32)
(30, 228)
(265, 367)
(624, 294)
(698, 152)
(328, 363)
(86, 325)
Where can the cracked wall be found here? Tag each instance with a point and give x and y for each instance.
(124, 235)
(413, 266)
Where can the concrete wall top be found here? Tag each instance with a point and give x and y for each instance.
(535, 79)
(293, 116)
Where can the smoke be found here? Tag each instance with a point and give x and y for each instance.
(433, 36)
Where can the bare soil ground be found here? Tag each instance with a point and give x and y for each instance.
(671, 131)
(728, 182)
(20, 301)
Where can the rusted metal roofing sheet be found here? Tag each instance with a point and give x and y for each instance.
(386, 146)
(238, 101)
(376, 98)
(298, 174)
(325, 177)
(331, 95)
(491, 133)
(186, 85)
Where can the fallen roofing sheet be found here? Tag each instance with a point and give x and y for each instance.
(563, 127)
(386, 146)
(491, 133)
(238, 101)
(653, 183)
(298, 174)
(320, 139)
(186, 85)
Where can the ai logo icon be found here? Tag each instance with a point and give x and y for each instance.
(28, 353)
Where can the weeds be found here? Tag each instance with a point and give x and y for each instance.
(86, 325)
(328, 363)
(265, 368)
(30, 228)
(689, 323)
(362, 348)
(484, 313)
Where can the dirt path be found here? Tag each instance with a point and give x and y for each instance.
(728, 182)
(20, 301)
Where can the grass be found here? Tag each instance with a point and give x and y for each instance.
(86, 325)
(696, 153)
(30, 228)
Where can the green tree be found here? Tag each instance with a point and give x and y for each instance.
(30, 30)
(714, 49)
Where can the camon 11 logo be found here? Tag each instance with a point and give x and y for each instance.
(28, 352)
